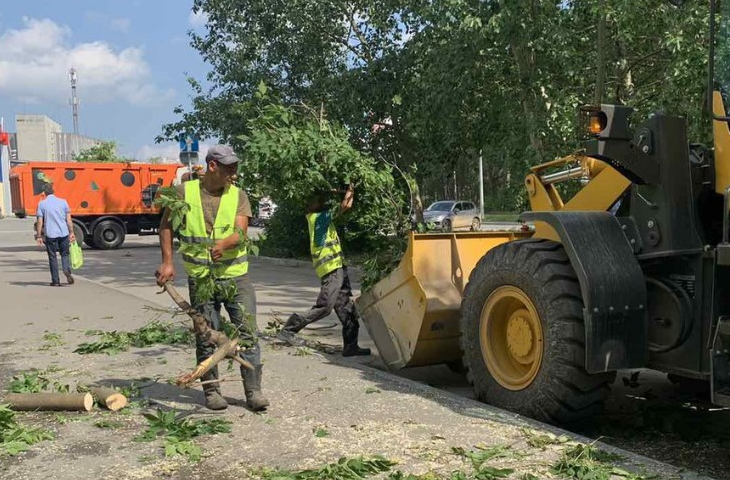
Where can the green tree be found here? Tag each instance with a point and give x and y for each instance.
(432, 83)
(101, 152)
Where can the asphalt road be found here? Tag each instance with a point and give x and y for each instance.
(649, 416)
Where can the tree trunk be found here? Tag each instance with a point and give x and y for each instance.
(600, 54)
(50, 401)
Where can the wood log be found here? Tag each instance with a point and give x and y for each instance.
(50, 401)
(109, 398)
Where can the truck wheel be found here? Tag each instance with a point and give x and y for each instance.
(108, 235)
(523, 335)
(89, 240)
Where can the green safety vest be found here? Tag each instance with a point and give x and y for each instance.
(326, 258)
(195, 242)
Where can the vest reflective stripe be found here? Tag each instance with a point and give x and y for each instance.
(328, 244)
(200, 261)
(326, 258)
(194, 238)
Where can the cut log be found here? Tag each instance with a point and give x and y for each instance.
(50, 401)
(109, 398)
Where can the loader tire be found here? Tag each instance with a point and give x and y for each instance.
(525, 294)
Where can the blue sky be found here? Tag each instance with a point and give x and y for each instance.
(131, 58)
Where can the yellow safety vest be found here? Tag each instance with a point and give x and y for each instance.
(328, 257)
(195, 243)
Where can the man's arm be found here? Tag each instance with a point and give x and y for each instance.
(233, 240)
(70, 223)
(39, 230)
(166, 271)
(346, 203)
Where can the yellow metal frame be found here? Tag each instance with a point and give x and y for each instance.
(605, 187)
(721, 137)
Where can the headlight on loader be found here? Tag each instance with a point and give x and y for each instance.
(593, 121)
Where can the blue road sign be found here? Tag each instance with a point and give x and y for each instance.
(188, 142)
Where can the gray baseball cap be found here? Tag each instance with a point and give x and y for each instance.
(222, 154)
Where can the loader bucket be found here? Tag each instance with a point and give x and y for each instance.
(412, 315)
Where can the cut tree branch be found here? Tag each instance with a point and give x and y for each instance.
(227, 348)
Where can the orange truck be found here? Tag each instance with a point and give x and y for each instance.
(107, 200)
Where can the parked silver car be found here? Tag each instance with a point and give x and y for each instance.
(453, 215)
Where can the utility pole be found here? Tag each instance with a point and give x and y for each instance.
(74, 99)
(481, 185)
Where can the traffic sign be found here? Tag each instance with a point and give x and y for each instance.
(188, 142)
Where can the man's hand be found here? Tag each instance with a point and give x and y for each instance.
(71, 237)
(165, 273)
(40, 240)
(217, 251)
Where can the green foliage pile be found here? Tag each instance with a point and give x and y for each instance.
(357, 468)
(178, 433)
(151, 334)
(102, 152)
(16, 438)
(586, 462)
(294, 152)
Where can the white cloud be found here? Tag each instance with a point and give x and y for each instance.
(121, 24)
(168, 151)
(198, 20)
(36, 58)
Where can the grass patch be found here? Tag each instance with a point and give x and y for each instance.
(32, 381)
(370, 390)
(51, 340)
(542, 440)
(153, 333)
(321, 432)
(178, 433)
(586, 462)
(16, 438)
(357, 468)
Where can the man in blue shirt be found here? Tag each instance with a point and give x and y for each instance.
(54, 217)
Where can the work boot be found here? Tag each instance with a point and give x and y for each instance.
(213, 398)
(288, 334)
(69, 277)
(355, 351)
(252, 388)
(290, 338)
(350, 330)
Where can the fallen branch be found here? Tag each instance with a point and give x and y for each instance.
(227, 348)
(50, 401)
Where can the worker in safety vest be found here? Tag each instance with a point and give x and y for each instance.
(329, 263)
(211, 245)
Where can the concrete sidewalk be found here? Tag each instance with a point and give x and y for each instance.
(362, 410)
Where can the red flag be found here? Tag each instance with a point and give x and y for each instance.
(4, 138)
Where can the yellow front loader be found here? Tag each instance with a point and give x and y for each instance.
(633, 271)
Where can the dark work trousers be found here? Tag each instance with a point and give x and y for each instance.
(53, 246)
(335, 294)
(241, 312)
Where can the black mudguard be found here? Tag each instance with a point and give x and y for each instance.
(612, 285)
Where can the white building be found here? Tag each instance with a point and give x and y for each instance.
(36, 137)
